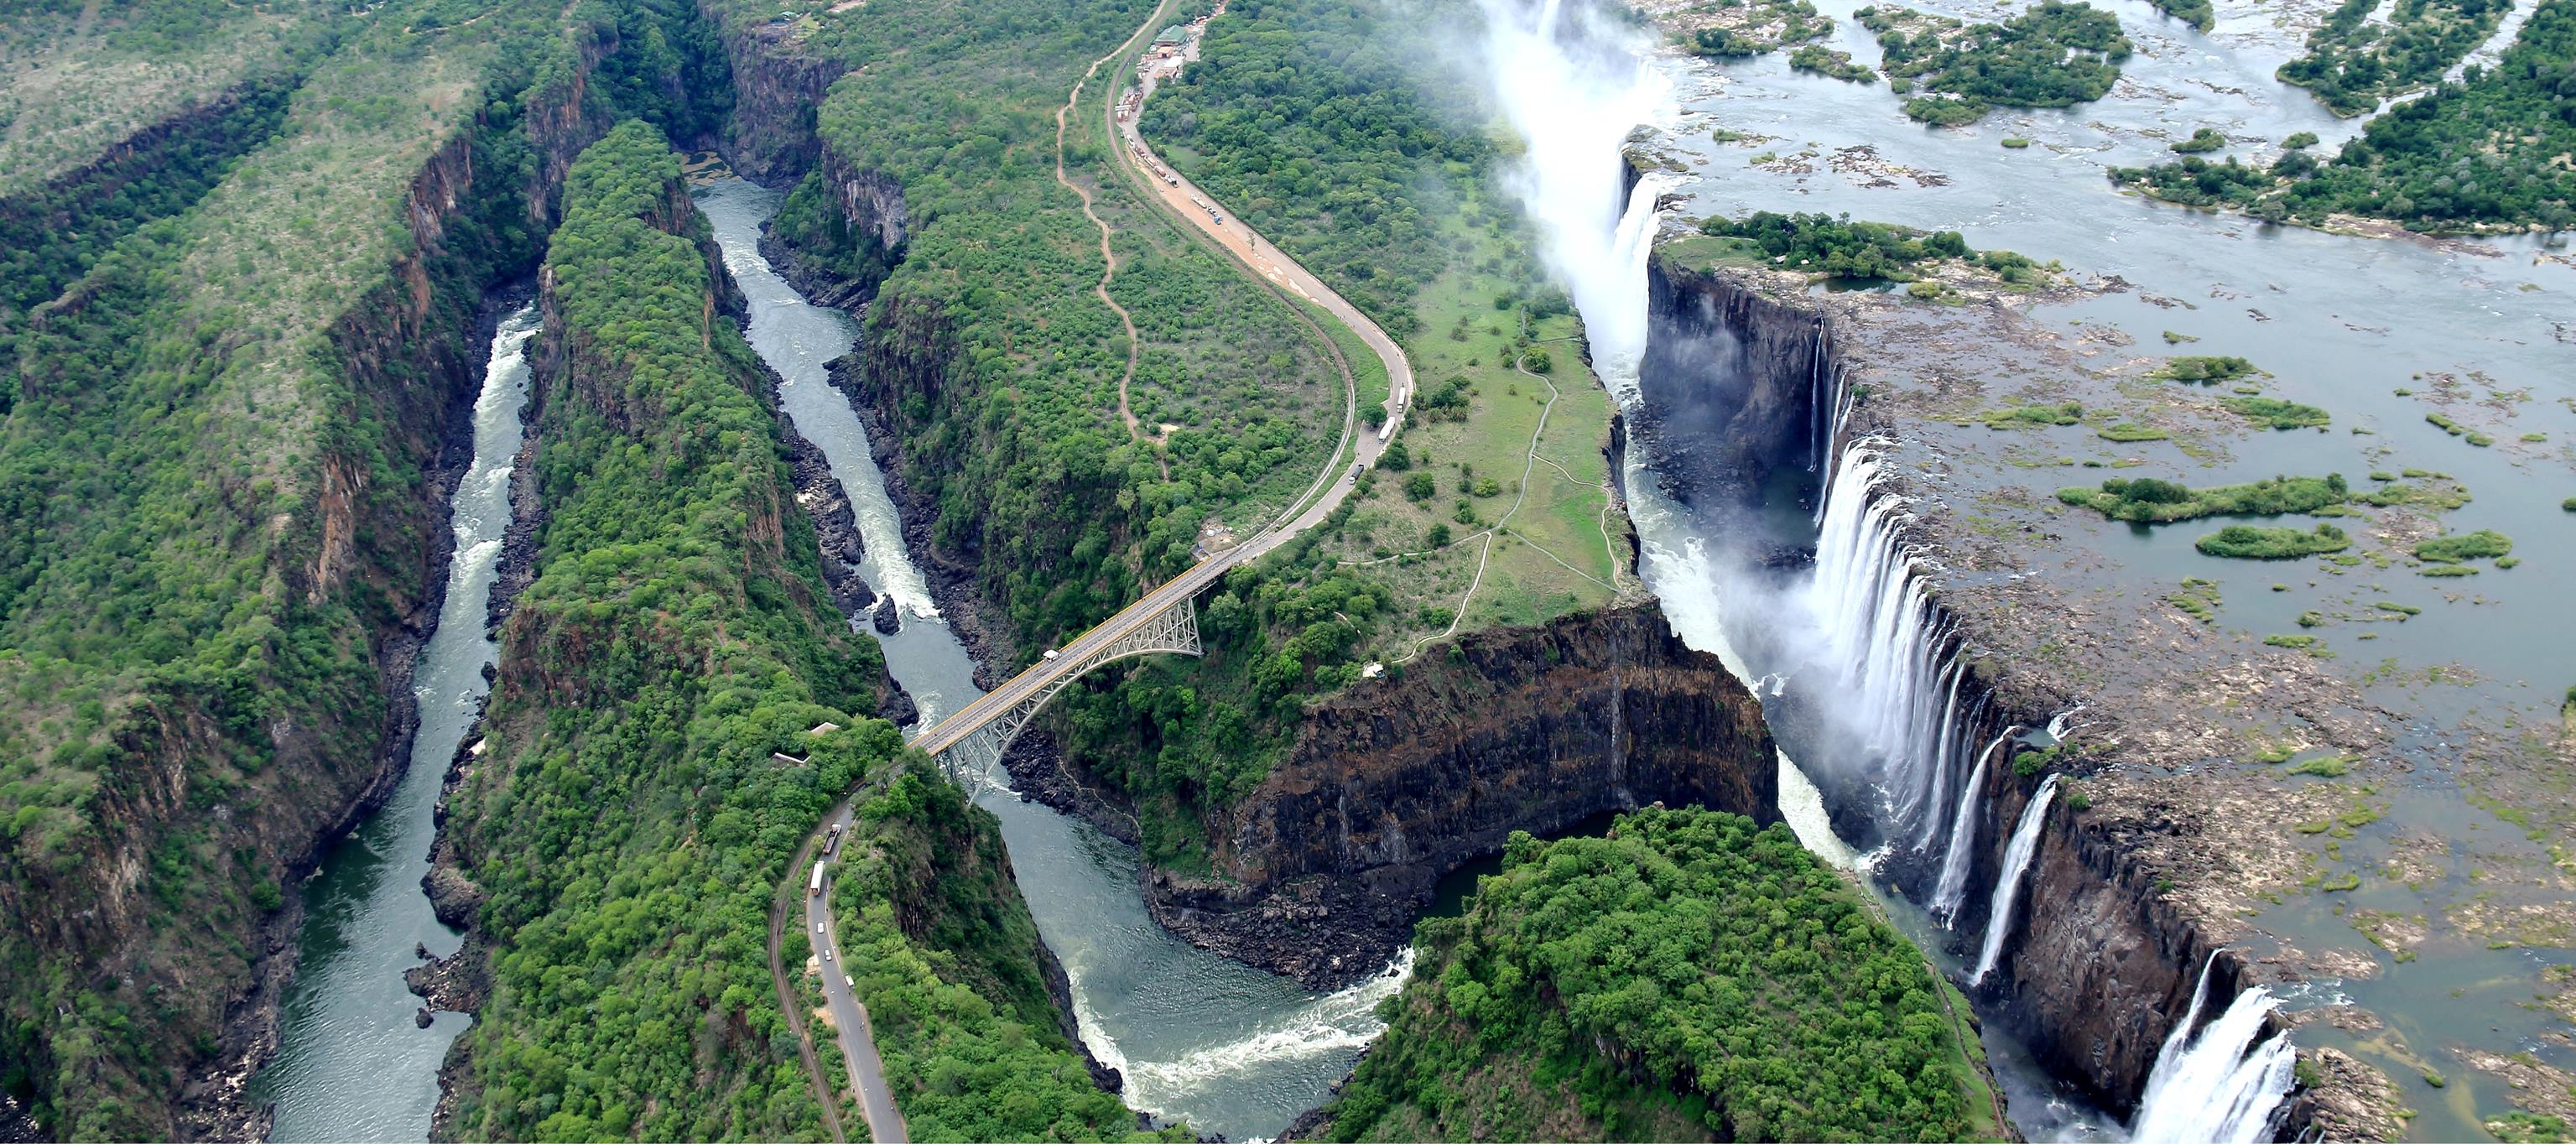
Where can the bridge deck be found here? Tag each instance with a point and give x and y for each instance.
(1073, 657)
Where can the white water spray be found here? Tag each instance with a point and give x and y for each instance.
(2025, 842)
(1957, 854)
(1575, 85)
(2209, 1086)
(1894, 669)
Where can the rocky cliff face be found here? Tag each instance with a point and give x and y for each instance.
(409, 350)
(777, 87)
(1394, 784)
(1735, 373)
(2099, 967)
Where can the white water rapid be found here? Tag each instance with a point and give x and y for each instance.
(2217, 1085)
(2017, 855)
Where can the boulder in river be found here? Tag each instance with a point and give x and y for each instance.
(885, 620)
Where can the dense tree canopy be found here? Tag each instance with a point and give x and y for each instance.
(2054, 55)
(634, 812)
(1314, 115)
(2482, 153)
(1691, 972)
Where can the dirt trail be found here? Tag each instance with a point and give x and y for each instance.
(1108, 257)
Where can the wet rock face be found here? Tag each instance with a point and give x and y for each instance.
(2098, 969)
(1728, 385)
(1396, 784)
(2099, 966)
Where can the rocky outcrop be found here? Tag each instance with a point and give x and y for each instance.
(777, 88)
(1737, 374)
(1392, 785)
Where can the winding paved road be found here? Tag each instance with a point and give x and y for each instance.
(849, 1018)
(1358, 449)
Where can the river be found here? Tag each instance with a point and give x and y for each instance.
(351, 1062)
(1201, 1039)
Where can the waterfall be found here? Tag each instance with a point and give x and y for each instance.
(2210, 1087)
(2025, 841)
(1892, 658)
(1956, 856)
(1574, 84)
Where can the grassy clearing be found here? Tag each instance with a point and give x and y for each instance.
(69, 90)
(2197, 598)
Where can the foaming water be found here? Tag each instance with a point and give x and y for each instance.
(799, 340)
(351, 1062)
(1215, 1043)
(1957, 854)
(2218, 1083)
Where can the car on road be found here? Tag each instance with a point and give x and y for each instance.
(1050, 653)
(827, 954)
(818, 927)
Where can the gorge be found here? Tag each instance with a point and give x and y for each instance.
(2176, 825)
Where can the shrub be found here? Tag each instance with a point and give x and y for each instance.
(2153, 501)
(2250, 542)
(2028, 416)
(2483, 543)
(2206, 370)
(2277, 414)
(2201, 141)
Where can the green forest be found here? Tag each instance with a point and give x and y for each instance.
(946, 960)
(1311, 120)
(1692, 975)
(2054, 55)
(1302, 115)
(213, 475)
(2353, 62)
(1010, 427)
(674, 649)
(2474, 155)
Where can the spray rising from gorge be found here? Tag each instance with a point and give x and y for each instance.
(1867, 680)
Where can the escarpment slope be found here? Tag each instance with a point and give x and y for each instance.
(650, 766)
(217, 455)
(1325, 864)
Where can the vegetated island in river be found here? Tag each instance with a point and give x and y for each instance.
(2482, 154)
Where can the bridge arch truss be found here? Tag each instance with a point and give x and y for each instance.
(985, 728)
